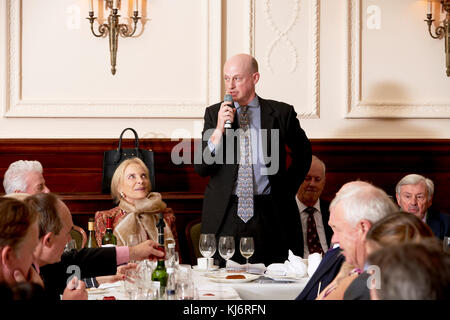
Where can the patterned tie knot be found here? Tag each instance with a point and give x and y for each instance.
(310, 210)
(243, 118)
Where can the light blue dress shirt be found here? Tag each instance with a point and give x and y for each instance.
(261, 183)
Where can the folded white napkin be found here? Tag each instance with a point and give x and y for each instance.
(294, 267)
(313, 262)
(258, 268)
(110, 285)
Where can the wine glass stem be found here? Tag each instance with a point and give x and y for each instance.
(246, 264)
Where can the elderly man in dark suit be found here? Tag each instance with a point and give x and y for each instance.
(414, 194)
(314, 212)
(355, 208)
(251, 189)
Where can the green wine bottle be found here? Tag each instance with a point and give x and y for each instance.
(92, 241)
(109, 239)
(160, 273)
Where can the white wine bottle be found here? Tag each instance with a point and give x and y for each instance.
(92, 241)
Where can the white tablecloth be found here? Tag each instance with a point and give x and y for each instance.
(260, 289)
(256, 290)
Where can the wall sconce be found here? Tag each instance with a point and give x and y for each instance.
(113, 28)
(441, 31)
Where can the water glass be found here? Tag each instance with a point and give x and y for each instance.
(184, 288)
(130, 285)
(153, 290)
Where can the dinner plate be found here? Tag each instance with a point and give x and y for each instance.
(220, 277)
(210, 269)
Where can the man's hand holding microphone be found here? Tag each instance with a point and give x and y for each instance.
(225, 118)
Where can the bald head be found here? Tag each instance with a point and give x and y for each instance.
(245, 61)
(240, 76)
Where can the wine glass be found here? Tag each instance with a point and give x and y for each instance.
(207, 245)
(70, 245)
(133, 239)
(247, 248)
(226, 248)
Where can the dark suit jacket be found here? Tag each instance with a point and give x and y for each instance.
(325, 211)
(92, 263)
(358, 290)
(439, 223)
(284, 183)
(325, 273)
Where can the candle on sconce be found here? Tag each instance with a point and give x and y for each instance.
(136, 5)
(430, 7)
(115, 4)
(91, 8)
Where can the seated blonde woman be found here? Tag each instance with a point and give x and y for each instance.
(400, 227)
(138, 209)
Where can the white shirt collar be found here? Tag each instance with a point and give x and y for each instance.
(302, 206)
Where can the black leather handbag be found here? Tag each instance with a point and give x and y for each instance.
(112, 159)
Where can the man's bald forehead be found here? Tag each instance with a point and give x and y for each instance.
(246, 60)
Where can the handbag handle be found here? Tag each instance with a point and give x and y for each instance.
(119, 149)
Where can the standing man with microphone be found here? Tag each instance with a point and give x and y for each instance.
(251, 191)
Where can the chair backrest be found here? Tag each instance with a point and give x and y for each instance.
(192, 231)
(80, 236)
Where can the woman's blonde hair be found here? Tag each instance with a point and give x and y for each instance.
(120, 171)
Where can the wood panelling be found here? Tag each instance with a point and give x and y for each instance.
(73, 168)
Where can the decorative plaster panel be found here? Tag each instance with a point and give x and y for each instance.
(170, 107)
(297, 53)
(360, 106)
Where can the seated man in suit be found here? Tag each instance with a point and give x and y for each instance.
(314, 212)
(355, 208)
(414, 194)
(55, 223)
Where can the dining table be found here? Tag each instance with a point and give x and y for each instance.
(214, 285)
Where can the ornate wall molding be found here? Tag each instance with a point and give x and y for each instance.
(17, 106)
(357, 107)
(282, 35)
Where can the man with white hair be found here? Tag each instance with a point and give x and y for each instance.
(355, 208)
(414, 194)
(25, 176)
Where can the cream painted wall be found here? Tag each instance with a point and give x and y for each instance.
(389, 83)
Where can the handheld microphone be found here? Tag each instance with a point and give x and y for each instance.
(228, 97)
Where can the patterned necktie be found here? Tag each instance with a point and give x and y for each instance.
(244, 189)
(312, 237)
